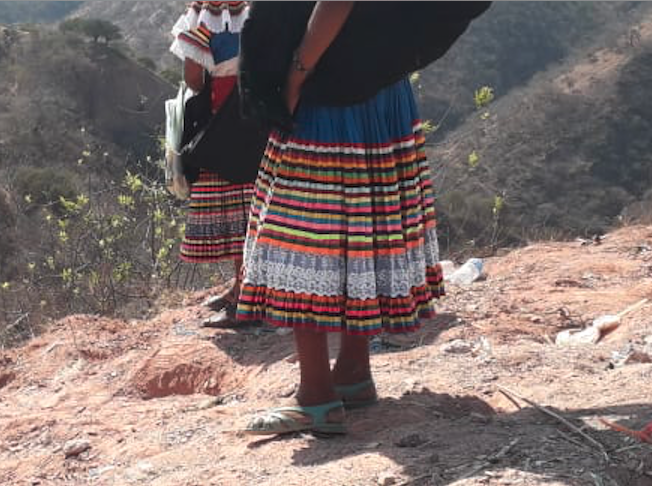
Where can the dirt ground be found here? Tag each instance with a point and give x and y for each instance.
(161, 402)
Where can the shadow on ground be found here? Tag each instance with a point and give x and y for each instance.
(269, 346)
(439, 439)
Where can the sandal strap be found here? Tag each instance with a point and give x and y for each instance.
(352, 390)
(316, 412)
(279, 421)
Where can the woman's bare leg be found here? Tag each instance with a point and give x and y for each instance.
(316, 386)
(352, 364)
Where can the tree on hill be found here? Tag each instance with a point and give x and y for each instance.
(96, 29)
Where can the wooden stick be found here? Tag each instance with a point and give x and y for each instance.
(511, 399)
(632, 308)
(558, 417)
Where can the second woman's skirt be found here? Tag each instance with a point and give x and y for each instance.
(217, 219)
(342, 231)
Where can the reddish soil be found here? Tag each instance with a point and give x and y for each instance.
(161, 401)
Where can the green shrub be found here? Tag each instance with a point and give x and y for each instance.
(96, 29)
(45, 186)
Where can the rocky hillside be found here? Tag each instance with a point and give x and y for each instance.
(161, 401)
(558, 158)
(512, 43)
(12, 12)
(64, 102)
(504, 49)
(145, 26)
(567, 153)
(56, 84)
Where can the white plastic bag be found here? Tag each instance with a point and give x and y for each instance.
(175, 181)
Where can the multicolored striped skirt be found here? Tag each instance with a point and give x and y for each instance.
(217, 219)
(342, 230)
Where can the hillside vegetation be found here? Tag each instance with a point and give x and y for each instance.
(561, 152)
(514, 41)
(504, 48)
(566, 154)
(79, 132)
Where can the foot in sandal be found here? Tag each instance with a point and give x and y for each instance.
(358, 395)
(325, 419)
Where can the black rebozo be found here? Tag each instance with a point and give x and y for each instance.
(380, 43)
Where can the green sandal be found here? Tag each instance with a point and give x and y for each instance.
(279, 421)
(349, 393)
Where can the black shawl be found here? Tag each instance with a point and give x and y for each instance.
(379, 44)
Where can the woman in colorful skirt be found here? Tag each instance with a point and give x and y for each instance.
(341, 237)
(206, 39)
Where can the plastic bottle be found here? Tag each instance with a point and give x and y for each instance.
(448, 267)
(467, 273)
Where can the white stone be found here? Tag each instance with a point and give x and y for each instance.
(457, 346)
(73, 448)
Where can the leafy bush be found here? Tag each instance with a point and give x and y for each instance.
(104, 248)
(45, 186)
(96, 29)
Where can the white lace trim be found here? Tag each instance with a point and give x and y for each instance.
(215, 23)
(225, 22)
(344, 149)
(185, 23)
(391, 276)
(184, 50)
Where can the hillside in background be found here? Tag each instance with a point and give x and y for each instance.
(34, 12)
(56, 84)
(145, 26)
(567, 153)
(74, 117)
(504, 48)
(513, 42)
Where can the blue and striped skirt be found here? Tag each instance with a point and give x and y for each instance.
(342, 231)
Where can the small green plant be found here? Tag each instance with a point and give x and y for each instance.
(474, 159)
(45, 186)
(483, 96)
(106, 246)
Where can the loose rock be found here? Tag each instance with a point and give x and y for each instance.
(410, 440)
(73, 448)
(457, 346)
(386, 479)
